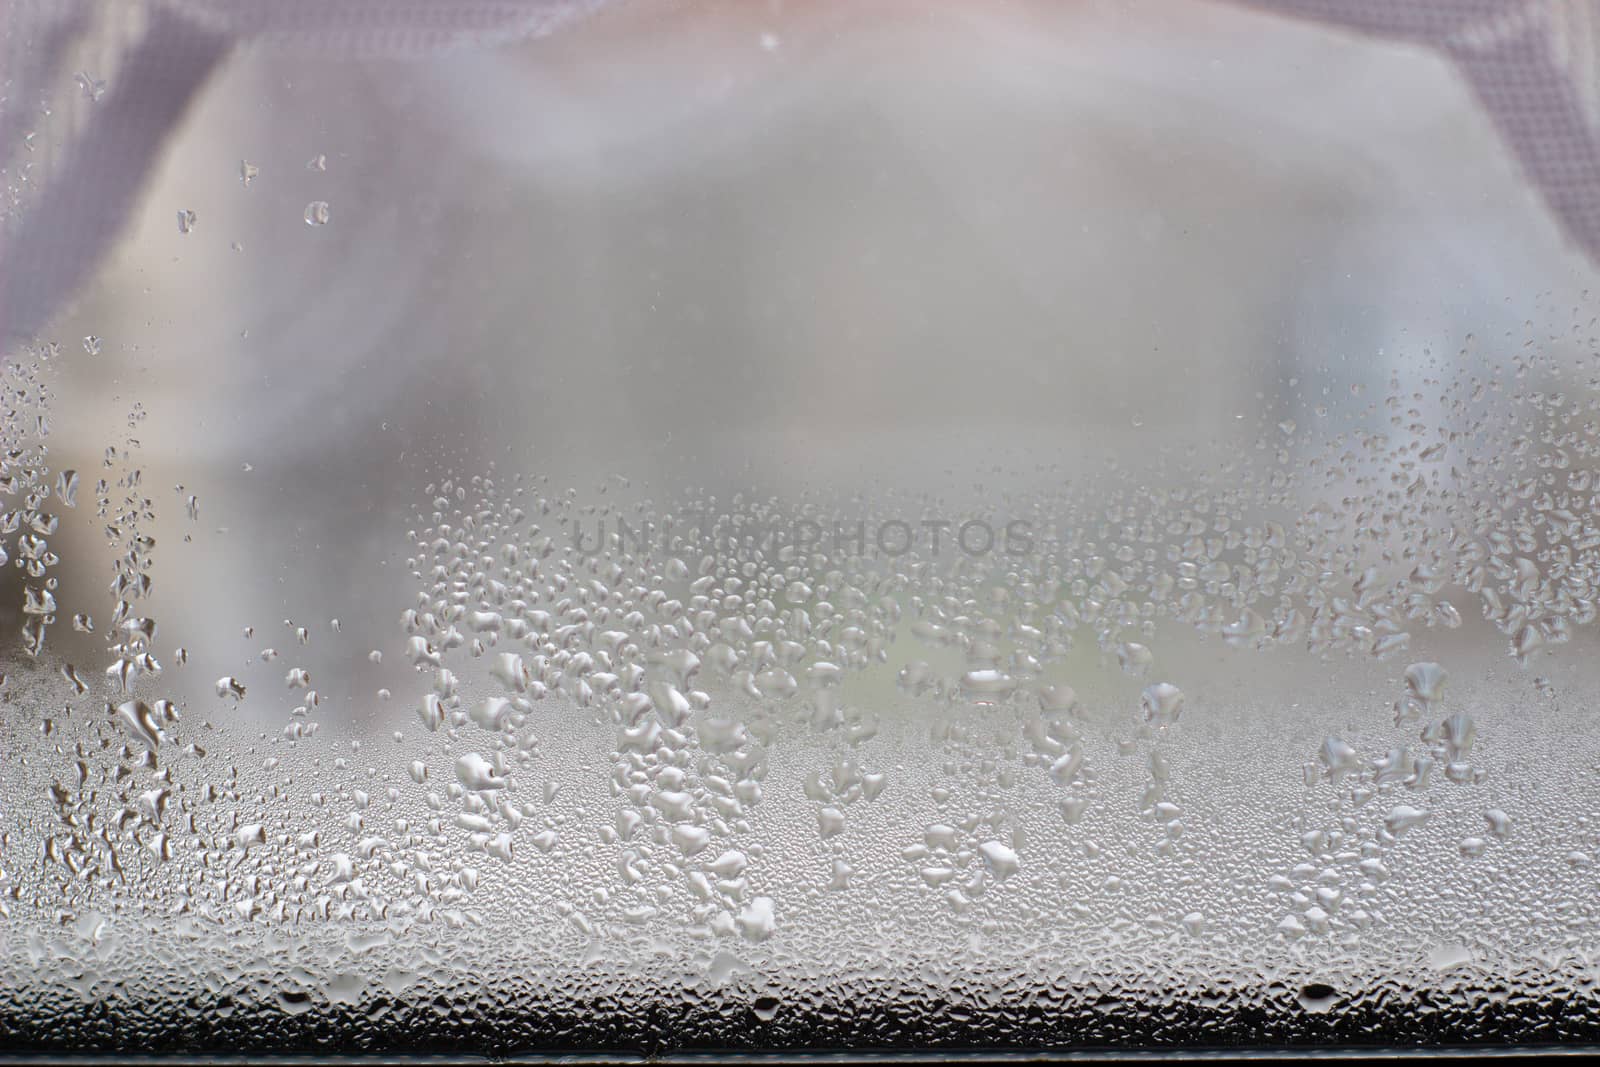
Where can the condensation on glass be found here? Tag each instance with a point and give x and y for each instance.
(546, 527)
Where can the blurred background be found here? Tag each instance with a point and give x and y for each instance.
(727, 243)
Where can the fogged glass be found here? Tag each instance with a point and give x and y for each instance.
(907, 526)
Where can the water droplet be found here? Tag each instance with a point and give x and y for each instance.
(1134, 658)
(478, 774)
(138, 720)
(757, 920)
(67, 488)
(93, 88)
(1425, 683)
(1500, 824)
(1318, 998)
(1403, 817)
(1000, 859)
(1162, 703)
(987, 686)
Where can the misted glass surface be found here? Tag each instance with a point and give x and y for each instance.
(663, 526)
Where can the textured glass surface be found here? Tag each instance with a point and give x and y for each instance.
(654, 527)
